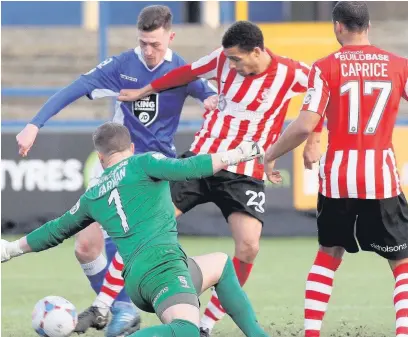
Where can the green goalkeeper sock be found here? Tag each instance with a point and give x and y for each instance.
(177, 328)
(236, 303)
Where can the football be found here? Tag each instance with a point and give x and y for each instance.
(54, 316)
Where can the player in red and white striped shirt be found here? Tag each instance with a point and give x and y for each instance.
(255, 87)
(360, 203)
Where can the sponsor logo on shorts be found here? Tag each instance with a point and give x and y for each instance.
(183, 282)
(389, 249)
(257, 199)
(161, 292)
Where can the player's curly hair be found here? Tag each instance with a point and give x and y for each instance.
(353, 14)
(154, 17)
(245, 35)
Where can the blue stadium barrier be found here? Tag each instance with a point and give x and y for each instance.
(102, 55)
(13, 125)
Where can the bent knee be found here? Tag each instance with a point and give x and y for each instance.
(89, 243)
(247, 250)
(84, 247)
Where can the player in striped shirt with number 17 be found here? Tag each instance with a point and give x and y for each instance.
(255, 87)
(360, 202)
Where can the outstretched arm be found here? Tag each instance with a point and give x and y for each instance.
(101, 81)
(205, 67)
(25, 139)
(158, 166)
(59, 101)
(295, 134)
(311, 152)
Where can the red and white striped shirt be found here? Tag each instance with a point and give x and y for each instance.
(359, 89)
(249, 108)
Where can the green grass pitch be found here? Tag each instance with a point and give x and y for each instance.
(361, 304)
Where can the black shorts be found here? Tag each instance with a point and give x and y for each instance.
(229, 191)
(379, 225)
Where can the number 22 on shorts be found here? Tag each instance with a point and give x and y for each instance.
(254, 202)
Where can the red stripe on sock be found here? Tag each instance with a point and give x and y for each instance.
(312, 333)
(109, 292)
(401, 282)
(209, 314)
(325, 260)
(214, 300)
(402, 330)
(401, 269)
(314, 314)
(315, 295)
(242, 270)
(117, 265)
(320, 279)
(402, 313)
(113, 280)
(401, 296)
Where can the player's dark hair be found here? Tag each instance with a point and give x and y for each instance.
(243, 34)
(111, 137)
(353, 14)
(154, 17)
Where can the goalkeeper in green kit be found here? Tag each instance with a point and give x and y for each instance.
(133, 204)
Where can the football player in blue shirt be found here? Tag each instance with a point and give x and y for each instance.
(152, 123)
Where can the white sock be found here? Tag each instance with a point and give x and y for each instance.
(102, 307)
(94, 267)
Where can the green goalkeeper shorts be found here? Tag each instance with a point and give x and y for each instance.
(162, 276)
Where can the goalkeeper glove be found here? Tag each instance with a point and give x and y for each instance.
(246, 151)
(10, 250)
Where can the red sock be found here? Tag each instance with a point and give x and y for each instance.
(401, 300)
(242, 269)
(319, 287)
(214, 311)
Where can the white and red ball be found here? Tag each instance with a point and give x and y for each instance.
(54, 316)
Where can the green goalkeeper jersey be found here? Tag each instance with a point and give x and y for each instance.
(131, 201)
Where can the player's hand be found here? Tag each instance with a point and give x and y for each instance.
(25, 139)
(273, 175)
(131, 95)
(10, 250)
(250, 151)
(5, 255)
(311, 155)
(211, 103)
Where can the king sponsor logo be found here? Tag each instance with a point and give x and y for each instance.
(146, 109)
